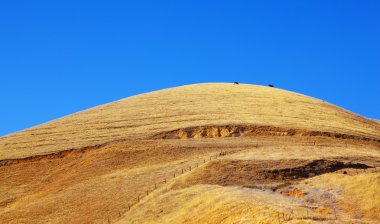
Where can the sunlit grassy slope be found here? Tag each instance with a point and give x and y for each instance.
(144, 115)
(210, 204)
(356, 196)
(128, 168)
(360, 193)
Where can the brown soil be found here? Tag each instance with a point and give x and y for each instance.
(249, 130)
(266, 174)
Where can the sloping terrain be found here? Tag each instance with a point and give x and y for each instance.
(206, 153)
(148, 114)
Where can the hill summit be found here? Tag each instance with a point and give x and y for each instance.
(200, 105)
(203, 153)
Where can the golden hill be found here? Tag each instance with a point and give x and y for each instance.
(205, 153)
(143, 116)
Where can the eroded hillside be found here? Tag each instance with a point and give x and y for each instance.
(143, 116)
(208, 153)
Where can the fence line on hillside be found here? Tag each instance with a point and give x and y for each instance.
(175, 174)
(281, 216)
(186, 169)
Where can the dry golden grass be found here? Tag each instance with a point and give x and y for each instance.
(99, 184)
(360, 193)
(193, 105)
(211, 204)
(93, 186)
(355, 199)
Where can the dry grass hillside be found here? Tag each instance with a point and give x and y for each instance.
(144, 115)
(206, 153)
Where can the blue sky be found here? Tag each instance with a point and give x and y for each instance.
(60, 57)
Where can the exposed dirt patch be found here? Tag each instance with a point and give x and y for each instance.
(316, 167)
(198, 132)
(266, 174)
(295, 193)
(249, 130)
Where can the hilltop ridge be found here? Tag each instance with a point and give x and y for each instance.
(199, 105)
(204, 153)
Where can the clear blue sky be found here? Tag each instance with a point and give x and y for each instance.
(60, 57)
